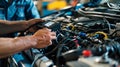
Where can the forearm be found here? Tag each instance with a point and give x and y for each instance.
(12, 26)
(9, 46)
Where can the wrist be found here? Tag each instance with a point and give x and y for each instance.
(27, 41)
(34, 41)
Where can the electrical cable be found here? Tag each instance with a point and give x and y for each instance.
(114, 32)
(33, 63)
(109, 27)
(98, 14)
(113, 6)
(59, 52)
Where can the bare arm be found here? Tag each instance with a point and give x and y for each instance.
(40, 39)
(14, 26)
(8, 27)
(9, 46)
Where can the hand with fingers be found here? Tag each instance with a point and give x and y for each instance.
(31, 25)
(43, 37)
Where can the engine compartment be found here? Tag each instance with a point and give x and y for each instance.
(89, 37)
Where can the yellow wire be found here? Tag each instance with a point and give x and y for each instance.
(71, 26)
(106, 37)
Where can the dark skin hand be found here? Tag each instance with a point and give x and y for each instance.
(16, 26)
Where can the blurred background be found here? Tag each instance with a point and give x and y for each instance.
(46, 7)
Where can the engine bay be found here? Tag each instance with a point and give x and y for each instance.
(88, 37)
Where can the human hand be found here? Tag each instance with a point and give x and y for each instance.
(34, 21)
(43, 37)
(31, 26)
